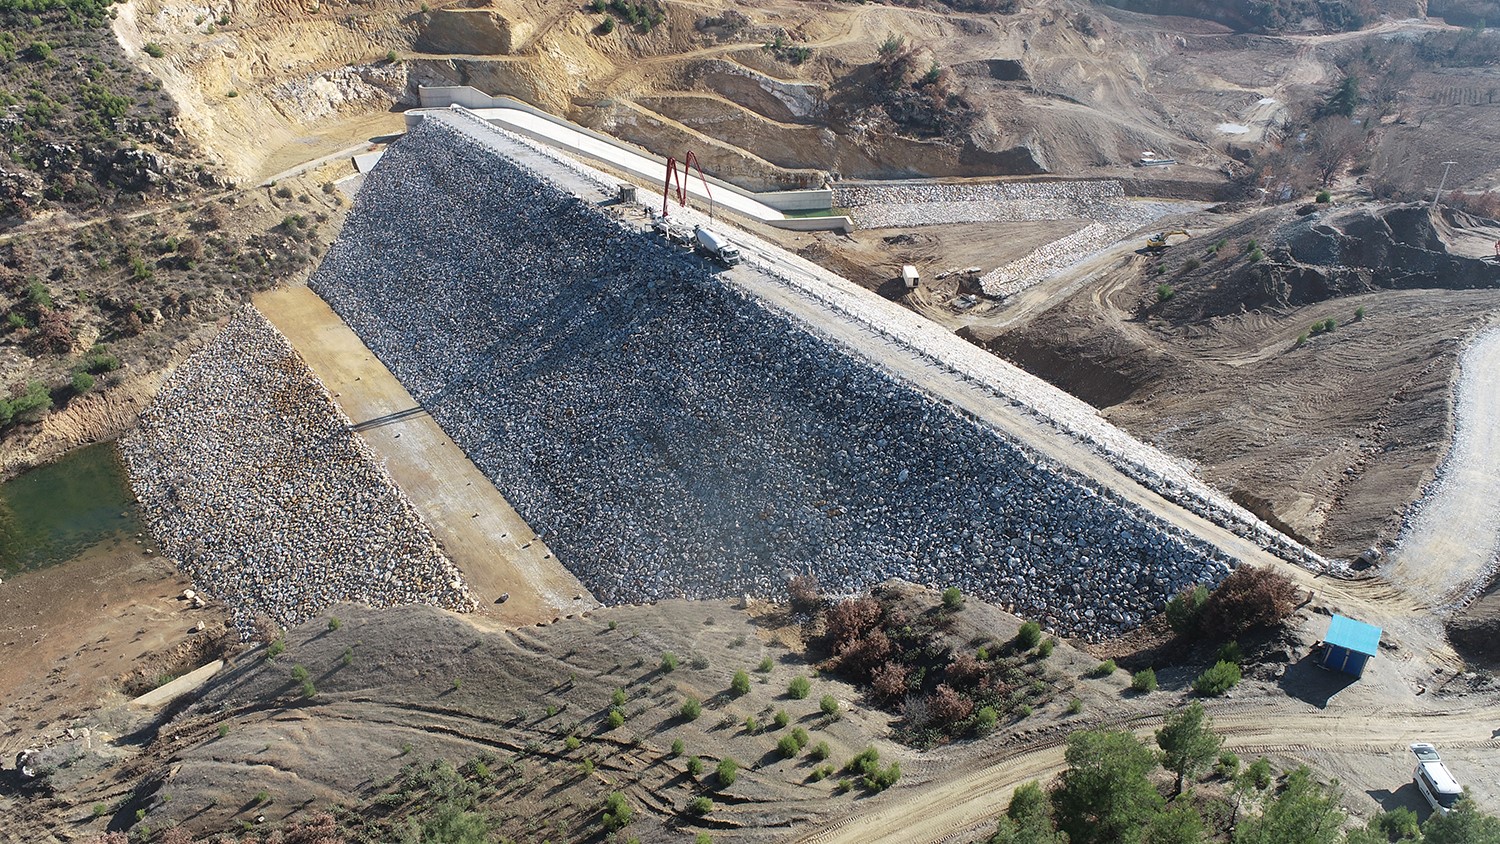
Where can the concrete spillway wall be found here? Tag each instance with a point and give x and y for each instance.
(672, 437)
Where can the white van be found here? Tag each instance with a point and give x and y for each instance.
(1433, 779)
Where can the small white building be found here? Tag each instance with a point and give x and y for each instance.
(910, 276)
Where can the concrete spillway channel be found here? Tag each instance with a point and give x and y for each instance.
(675, 429)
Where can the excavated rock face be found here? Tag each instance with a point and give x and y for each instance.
(481, 31)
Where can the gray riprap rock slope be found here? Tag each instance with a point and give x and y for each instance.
(670, 437)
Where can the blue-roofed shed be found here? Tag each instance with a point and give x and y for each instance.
(1349, 645)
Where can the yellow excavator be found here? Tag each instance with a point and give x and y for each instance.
(1158, 242)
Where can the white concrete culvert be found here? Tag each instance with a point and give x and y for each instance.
(672, 437)
(249, 477)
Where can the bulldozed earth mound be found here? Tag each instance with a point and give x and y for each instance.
(1321, 255)
(1303, 360)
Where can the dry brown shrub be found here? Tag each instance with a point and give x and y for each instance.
(947, 706)
(1249, 597)
(966, 670)
(860, 656)
(851, 619)
(54, 332)
(888, 682)
(805, 594)
(175, 835)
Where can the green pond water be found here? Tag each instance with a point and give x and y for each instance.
(50, 515)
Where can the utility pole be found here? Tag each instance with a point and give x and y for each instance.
(1442, 181)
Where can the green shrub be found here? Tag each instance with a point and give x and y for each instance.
(308, 689)
(223, 730)
(668, 662)
(1259, 774)
(276, 648)
(1044, 650)
(740, 685)
(1029, 636)
(617, 812)
(232, 94)
(727, 772)
(154, 50)
(1164, 292)
(821, 751)
(1143, 681)
(765, 665)
(390, 57)
(1104, 669)
(703, 838)
(700, 805)
(694, 767)
(1330, 324)
(572, 742)
(781, 719)
(334, 623)
(1229, 765)
(829, 705)
(1252, 245)
(677, 748)
(1256, 255)
(788, 746)
(348, 657)
(299, 673)
(613, 624)
(1230, 652)
(1217, 680)
(615, 719)
(82, 382)
(1301, 340)
(691, 709)
(1191, 264)
(100, 810)
(953, 598)
(617, 698)
(800, 736)
(752, 726)
(607, 26)
(1185, 608)
(798, 688)
(1359, 313)
(986, 718)
(1075, 706)
(1323, 196)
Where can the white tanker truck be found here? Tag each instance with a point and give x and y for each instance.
(717, 245)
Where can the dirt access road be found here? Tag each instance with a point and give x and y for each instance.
(974, 797)
(476, 527)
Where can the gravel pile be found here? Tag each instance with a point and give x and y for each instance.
(249, 477)
(670, 436)
(922, 204)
